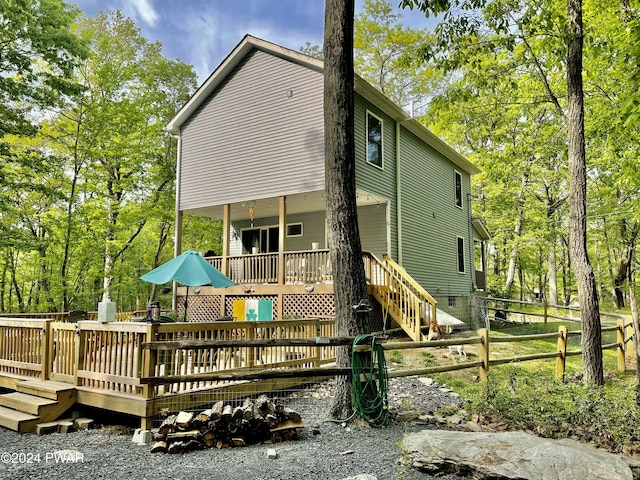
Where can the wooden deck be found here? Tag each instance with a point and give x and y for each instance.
(104, 363)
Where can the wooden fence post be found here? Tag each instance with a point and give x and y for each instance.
(149, 361)
(484, 354)
(545, 306)
(621, 346)
(629, 334)
(81, 338)
(46, 351)
(561, 361)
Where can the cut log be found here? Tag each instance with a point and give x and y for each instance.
(227, 412)
(209, 439)
(247, 409)
(176, 447)
(264, 406)
(159, 447)
(191, 445)
(186, 435)
(168, 425)
(238, 442)
(271, 419)
(223, 426)
(216, 410)
(238, 414)
(203, 417)
(292, 415)
(183, 420)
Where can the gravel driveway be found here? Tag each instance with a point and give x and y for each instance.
(324, 451)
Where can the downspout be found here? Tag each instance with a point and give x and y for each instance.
(398, 194)
(177, 239)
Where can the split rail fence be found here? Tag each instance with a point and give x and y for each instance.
(156, 362)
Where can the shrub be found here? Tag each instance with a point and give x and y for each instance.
(532, 401)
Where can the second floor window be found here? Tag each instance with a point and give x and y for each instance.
(458, 187)
(374, 140)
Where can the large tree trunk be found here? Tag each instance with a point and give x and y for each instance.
(589, 308)
(344, 238)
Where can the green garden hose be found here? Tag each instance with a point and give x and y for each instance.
(369, 381)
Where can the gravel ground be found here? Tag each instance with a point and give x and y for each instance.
(334, 451)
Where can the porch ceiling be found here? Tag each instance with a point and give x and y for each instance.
(268, 207)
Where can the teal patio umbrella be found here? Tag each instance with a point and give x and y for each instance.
(189, 269)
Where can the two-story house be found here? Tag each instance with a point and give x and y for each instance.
(251, 153)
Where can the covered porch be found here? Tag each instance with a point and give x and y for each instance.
(283, 240)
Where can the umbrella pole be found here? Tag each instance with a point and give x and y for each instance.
(186, 299)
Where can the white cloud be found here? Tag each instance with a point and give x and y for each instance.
(145, 11)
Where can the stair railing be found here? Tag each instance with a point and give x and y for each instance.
(398, 293)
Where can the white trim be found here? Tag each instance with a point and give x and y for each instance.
(301, 229)
(366, 139)
(458, 254)
(457, 174)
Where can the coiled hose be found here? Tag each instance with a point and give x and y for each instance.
(369, 381)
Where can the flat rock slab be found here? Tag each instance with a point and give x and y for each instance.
(510, 455)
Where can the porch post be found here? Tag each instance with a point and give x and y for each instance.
(177, 241)
(282, 243)
(226, 233)
(177, 250)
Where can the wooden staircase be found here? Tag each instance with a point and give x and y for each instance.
(35, 402)
(401, 296)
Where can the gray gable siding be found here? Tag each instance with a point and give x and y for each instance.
(260, 134)
(373, 179)
(431, 222)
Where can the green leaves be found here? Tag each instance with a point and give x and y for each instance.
(38, 53)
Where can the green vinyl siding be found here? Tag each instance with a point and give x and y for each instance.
(372, 223)
(431, 221)
(370, 178)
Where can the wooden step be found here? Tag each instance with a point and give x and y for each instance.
(18, 421)
(47, 389)
(26, 403)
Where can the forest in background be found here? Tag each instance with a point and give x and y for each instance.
(87, 175)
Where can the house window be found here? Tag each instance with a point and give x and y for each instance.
(374, 140)
(451, 301)
(460, 255)
(458, 186)
(294, 230)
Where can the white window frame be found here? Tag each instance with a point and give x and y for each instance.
(457, 175)
(461, 254)
(301, 229)
(366, 140)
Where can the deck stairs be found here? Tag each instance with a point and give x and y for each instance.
(401, 297)
(35, 402)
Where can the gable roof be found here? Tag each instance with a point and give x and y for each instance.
(362, 87)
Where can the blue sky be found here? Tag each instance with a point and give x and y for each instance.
(203, 32)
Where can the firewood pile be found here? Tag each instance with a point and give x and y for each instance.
(223, 426)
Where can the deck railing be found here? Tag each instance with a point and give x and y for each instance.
(305, 266)
(399, 294)
(109, 358)
(23, 347)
